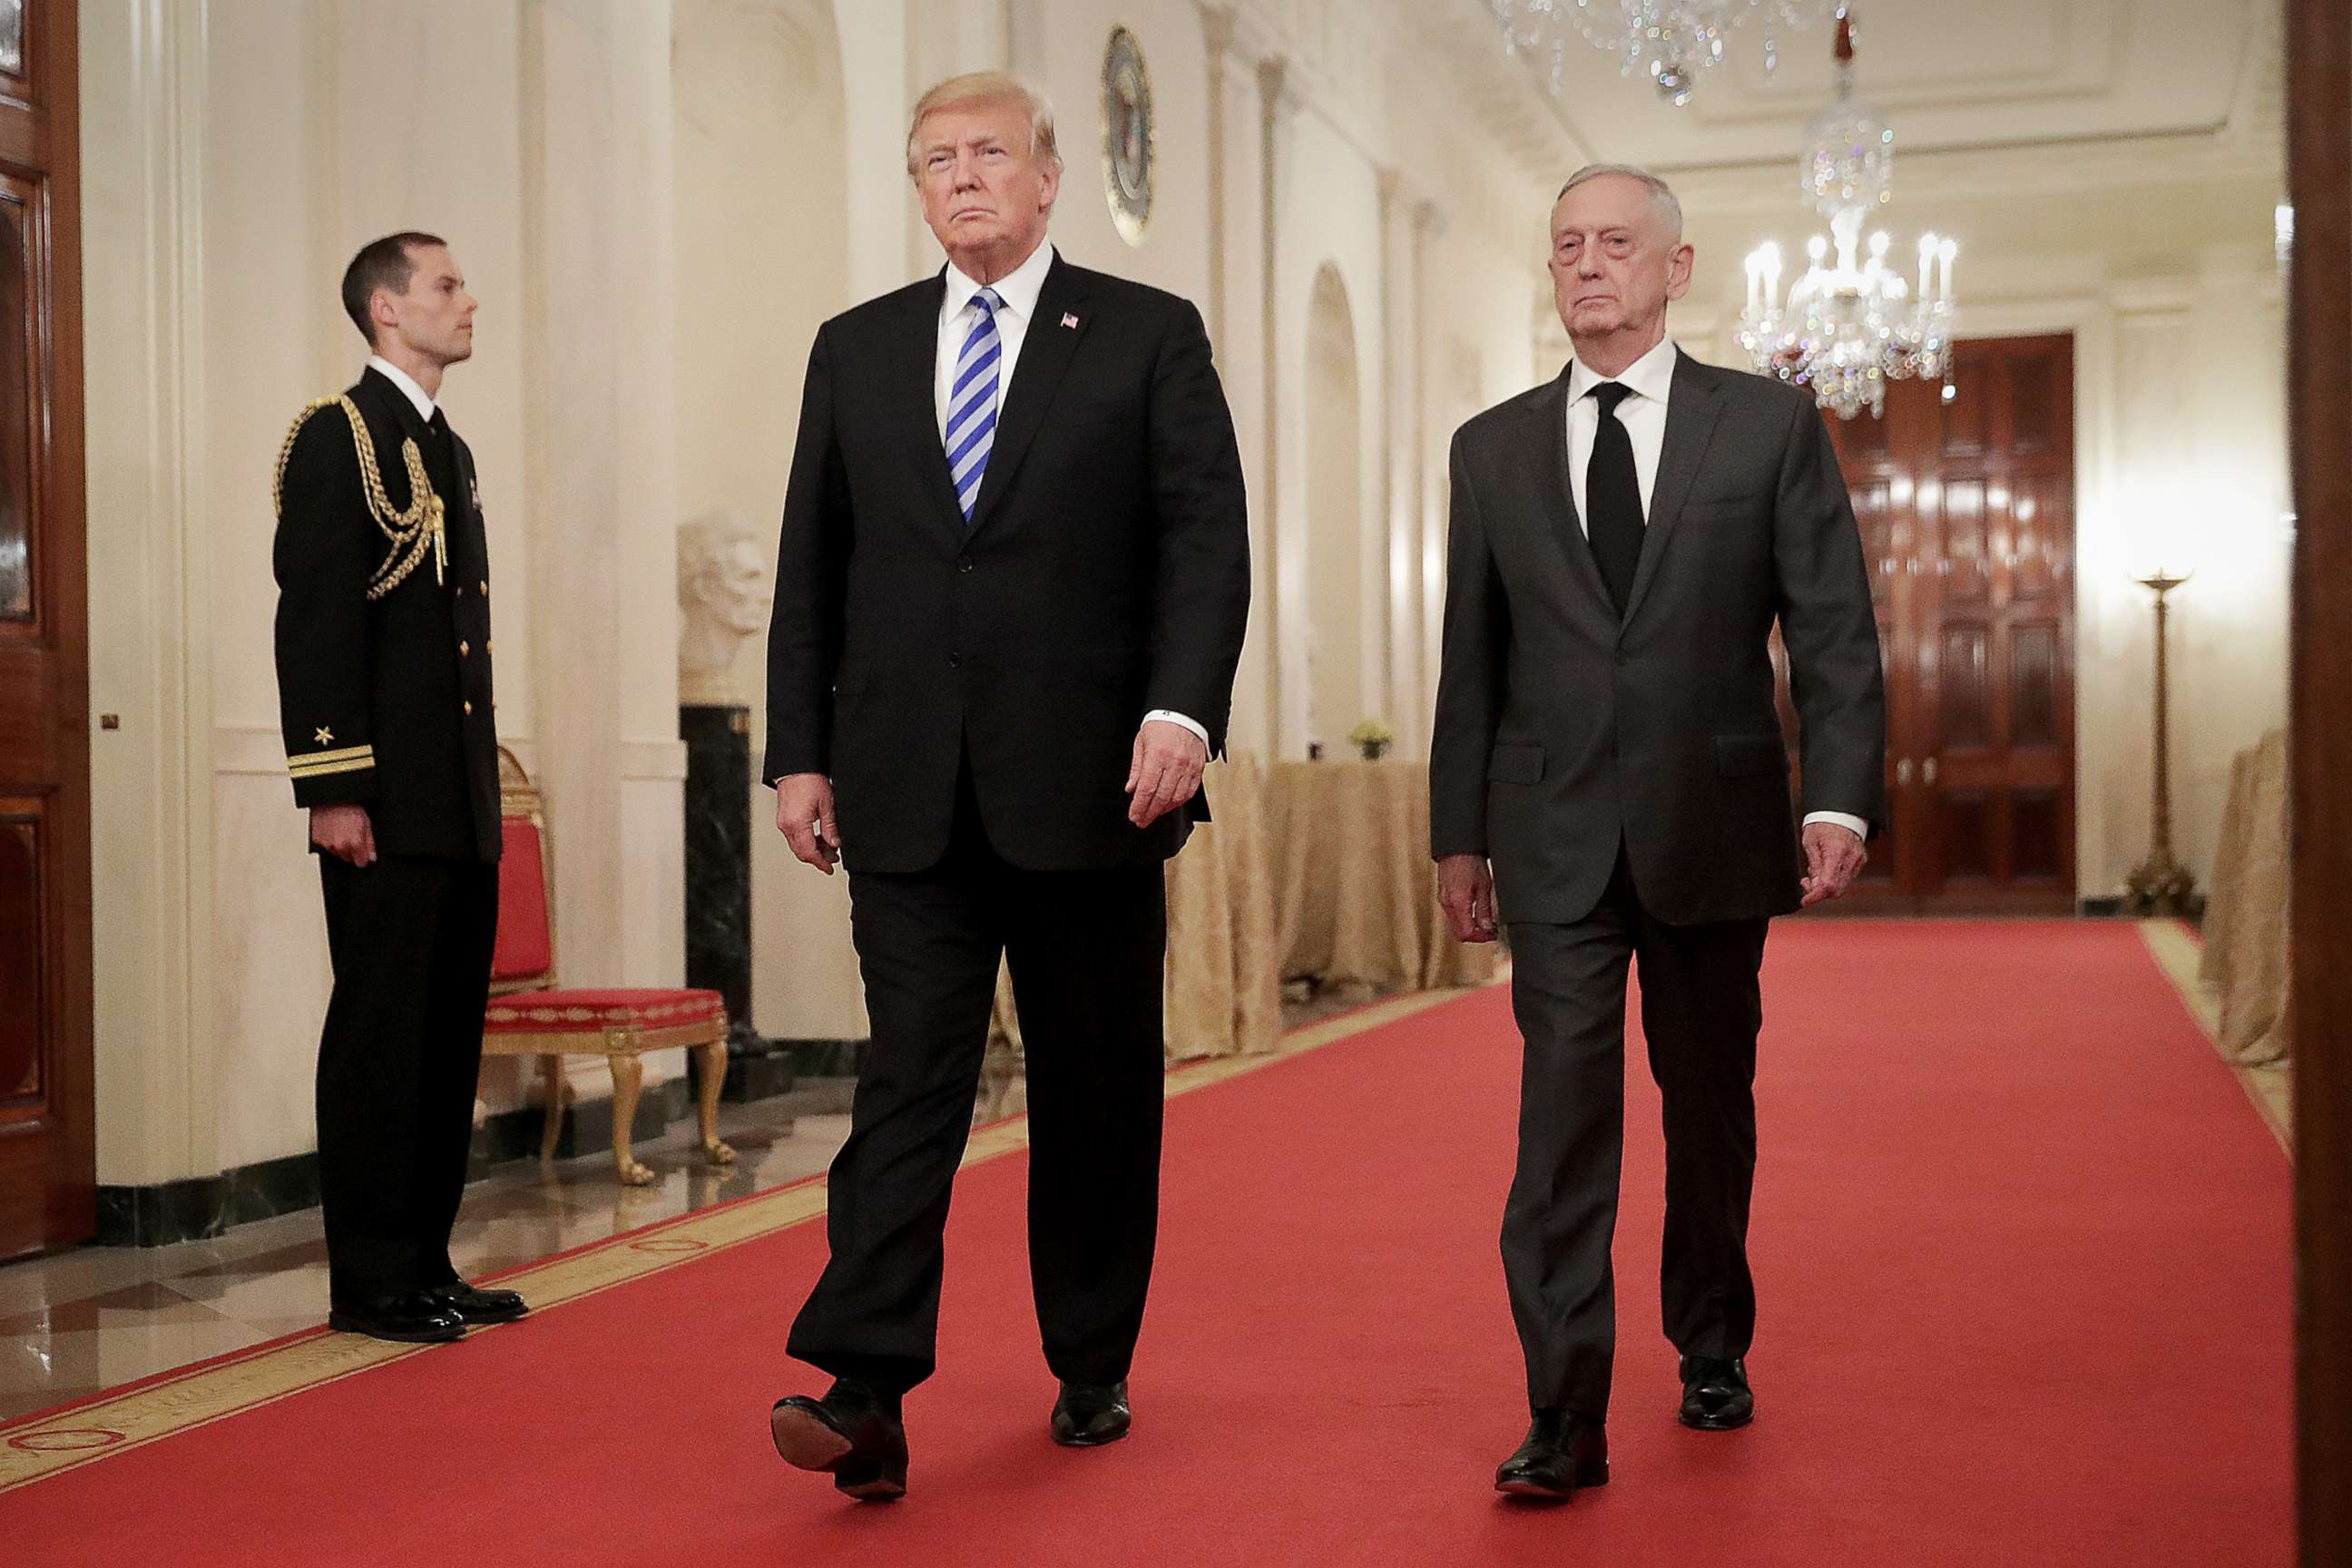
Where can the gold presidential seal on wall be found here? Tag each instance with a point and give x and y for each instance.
(1128, 135)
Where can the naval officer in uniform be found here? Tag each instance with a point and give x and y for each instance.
(384, 680)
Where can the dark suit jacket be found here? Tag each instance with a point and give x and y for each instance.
(1563, 731)
(1105, 574)
(399, 687)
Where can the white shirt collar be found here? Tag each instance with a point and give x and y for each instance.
(408, 385)
(1018, 289)
(1651, 376)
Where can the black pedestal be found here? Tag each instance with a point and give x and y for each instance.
(719, 889)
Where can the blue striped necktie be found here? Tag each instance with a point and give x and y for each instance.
(971, 403)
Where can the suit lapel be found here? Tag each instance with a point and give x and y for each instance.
(1691, 413)
(1549, 433)
(913, 376)
(1045, 352)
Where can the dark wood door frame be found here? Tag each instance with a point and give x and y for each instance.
(2319, 368)
(47, 1132)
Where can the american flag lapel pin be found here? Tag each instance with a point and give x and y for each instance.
(1069, 320)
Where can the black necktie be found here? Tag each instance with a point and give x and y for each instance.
(1612, 497)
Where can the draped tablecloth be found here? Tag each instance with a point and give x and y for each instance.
(1224, 985)
(2246, 936)
(1355, 891)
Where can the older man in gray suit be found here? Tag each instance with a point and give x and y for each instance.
(1607, 766)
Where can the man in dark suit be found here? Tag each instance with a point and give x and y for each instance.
(384, 683)
(1010, 597)
(1623, 539)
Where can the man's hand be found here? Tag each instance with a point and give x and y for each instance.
(804, 816)
(1465, 888)
(1166, 771)
(344, 832)
(1833, 859)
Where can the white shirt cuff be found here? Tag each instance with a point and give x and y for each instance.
(1854, 825)
(1173, 718)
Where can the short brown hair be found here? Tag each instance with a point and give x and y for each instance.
(381, 264)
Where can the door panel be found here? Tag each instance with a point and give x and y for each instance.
(47, 1170)
(1965, 510)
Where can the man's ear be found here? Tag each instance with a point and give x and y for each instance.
(1049, 179)
(383, 313)
(1678, 271)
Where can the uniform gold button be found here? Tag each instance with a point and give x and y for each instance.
(469, 708)
(489, 645)
(486, 585)
(464, 651)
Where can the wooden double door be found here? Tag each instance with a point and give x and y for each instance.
(1967, 511)
(47, 1175)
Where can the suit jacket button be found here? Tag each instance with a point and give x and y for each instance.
(955, 661)
(964, 565)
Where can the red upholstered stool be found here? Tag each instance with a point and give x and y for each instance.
(529, 1016)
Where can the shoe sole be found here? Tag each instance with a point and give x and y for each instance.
(393, 1336)
(1592, 1476)
(805, 1442)
(1715, 1423)
(1082, 1440)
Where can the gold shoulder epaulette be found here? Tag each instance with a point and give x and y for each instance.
(412, 532)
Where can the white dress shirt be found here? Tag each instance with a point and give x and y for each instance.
(1644, 416)
(408, 385)
(1018, 289)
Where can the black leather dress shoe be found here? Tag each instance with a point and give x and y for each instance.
(1562, 1452)
(478, 1307)
(1716, 1395)
(855, 1434)
(414, 1318)
(1088, 1415)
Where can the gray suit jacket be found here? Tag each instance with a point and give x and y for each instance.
(1563, 731)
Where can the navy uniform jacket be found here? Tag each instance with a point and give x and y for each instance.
(386, 702)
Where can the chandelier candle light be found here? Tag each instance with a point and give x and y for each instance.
(1846, 330)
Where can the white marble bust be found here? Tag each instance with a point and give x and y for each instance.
(723, 583)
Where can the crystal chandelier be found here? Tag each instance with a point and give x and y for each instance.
(1670, 41)
(1846, 330)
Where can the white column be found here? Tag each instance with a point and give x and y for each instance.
(1431, 436)
(143, 85)
(602, 560)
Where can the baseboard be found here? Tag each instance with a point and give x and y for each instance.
(2104, 908)
(200, 1206)
(825, 1059)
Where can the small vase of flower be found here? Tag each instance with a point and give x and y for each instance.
(1372, 738)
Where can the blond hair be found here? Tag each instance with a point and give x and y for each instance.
(988, 87)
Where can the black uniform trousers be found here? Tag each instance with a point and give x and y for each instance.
(410, 940)
(1086, 950)
(1701, 1010)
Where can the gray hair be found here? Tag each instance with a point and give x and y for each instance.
(1662, 195)
(988, 87)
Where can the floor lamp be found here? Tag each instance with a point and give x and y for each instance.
(2161, 885)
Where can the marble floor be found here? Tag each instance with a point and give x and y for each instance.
(102, 1316)
(99, 1317)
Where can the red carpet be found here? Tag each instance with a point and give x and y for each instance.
(2021, 1245)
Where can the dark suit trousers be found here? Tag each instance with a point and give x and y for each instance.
(410, 940)
(1086, 950)
(1701, 1009)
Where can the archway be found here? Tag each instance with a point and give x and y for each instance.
(1336, 690)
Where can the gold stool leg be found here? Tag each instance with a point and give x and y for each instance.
(550, 1068)
(714, 1076)
(628, 1081)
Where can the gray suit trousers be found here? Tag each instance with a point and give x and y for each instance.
(1701, 1010)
